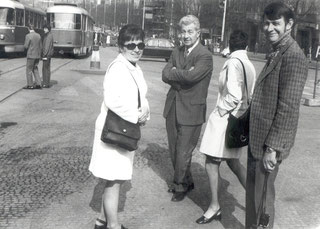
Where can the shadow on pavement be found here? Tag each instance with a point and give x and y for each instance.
(201, 196)
(158, 160)
(96, 199)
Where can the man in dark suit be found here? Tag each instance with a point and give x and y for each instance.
(47, 52)
(188, 72)
(33, 44)
(274, 110)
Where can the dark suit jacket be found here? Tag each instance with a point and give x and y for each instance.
(47, 45)
(276, 100)
(33, 44)
(189, 89)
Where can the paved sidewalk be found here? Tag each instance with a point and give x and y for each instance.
(145, 203)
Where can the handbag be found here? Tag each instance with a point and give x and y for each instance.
(237, 132)
(120, 132)
(262, 216)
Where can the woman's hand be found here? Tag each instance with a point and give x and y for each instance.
(143, 116)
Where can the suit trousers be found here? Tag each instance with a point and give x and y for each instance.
(254, 190)
(46, 71)
(182, 140)
(32, 69)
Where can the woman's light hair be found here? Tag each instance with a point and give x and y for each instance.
(190, 19)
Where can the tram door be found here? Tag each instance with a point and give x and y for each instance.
(83, 33)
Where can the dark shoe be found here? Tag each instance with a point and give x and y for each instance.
(45, 86)
(122, 227)
(178, 196)
(28, 87)
(204, 220)
(190, 187)
(37, 87)
(103, 226)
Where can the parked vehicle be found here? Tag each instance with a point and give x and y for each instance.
(15, 18)
(72, 29)
(158, 48)
(225, 52)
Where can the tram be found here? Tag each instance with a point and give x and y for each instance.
(15, 18)
(72, 29)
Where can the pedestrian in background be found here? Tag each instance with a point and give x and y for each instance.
(232, 98)
(274, 111)
(33, 44)
(47, 52)
(122, 84)
(188, 72)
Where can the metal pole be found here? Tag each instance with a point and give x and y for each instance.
(128, 11)
(224, 20)
(315, 80)
(104, 13)
(97, 13)
(115, 13)
(143, 13)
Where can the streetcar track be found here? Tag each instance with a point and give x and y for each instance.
(15, 92)
(11, 70)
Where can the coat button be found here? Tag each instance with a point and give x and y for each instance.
(124, 130)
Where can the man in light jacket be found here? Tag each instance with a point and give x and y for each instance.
(47, 52)
(33, 45)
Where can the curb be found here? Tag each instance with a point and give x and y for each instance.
(90, 71)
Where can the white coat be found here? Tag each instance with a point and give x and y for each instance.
(121, 96)
(232, 98)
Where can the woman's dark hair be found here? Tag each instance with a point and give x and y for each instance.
(238, 40)
(128, 33)
(276, 10)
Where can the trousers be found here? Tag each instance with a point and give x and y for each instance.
(46, 71)
(32, 70)
(182, 140)
(254, 190)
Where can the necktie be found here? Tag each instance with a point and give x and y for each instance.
(186, 52)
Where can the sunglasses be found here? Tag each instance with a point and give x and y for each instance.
(132, 46)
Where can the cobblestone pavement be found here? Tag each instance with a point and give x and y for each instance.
(45, 149)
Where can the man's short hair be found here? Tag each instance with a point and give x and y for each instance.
(276, 10)
(31, 26)
(47, 26)
(190, 19)
(238, 40)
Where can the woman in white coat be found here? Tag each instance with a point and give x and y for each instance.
(113, 164)
(232, 98)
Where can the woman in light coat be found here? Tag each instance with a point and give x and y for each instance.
(121, 83)
(232, 98)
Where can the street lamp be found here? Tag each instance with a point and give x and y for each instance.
(143, 13)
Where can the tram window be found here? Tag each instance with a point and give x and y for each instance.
(27, 18)
(19, 17)
(31, 19)
(6, 16)
(78, 21)
(65, 21)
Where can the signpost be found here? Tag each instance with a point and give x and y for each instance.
(313, 102)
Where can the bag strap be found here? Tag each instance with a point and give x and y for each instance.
(139, 100)
(262, 206)
(245, 79)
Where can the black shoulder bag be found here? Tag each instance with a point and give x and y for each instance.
(120, 132)
(237, 132)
